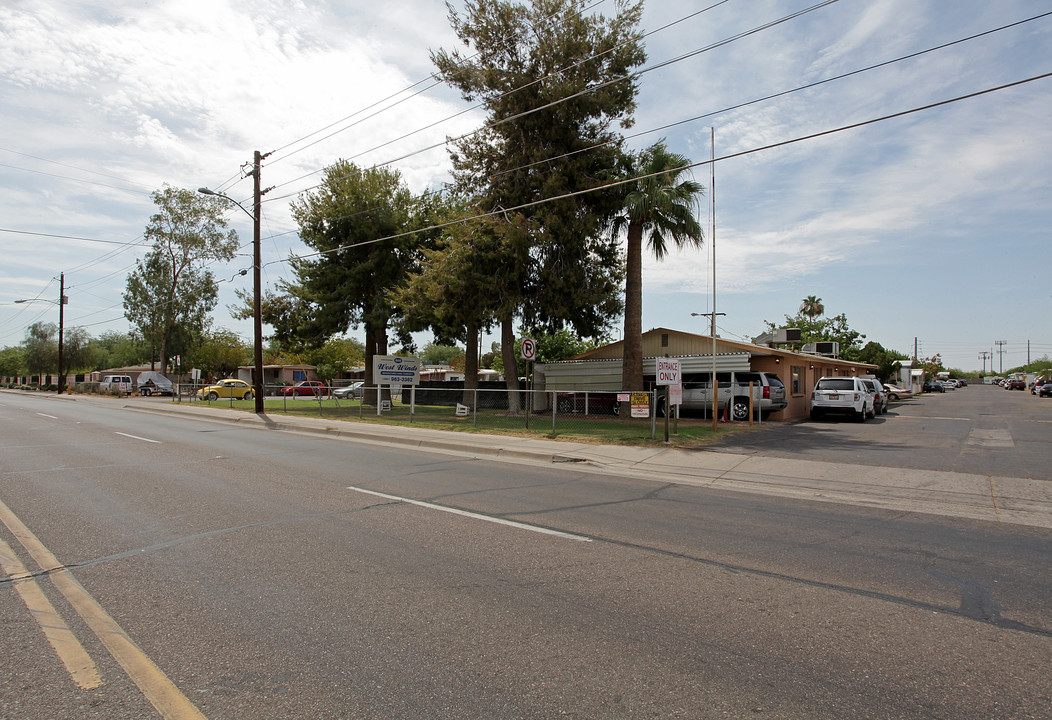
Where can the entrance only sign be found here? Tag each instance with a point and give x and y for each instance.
(669, 371)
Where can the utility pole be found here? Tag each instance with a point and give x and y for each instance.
(257, 262)
(914, 349)
(982, 356)
(1001, 351)
(61, 304)
(257, 266)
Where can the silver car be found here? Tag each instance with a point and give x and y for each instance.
(354, 390)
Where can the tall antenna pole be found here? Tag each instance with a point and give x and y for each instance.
(61, 330)
(712, 235)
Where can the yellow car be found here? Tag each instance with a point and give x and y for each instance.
(228, 388)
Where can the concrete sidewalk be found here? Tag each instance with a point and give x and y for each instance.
(1020, 501)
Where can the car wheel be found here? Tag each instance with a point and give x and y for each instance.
(248, 395)
(146, 392)
(616, 408)
(893, 397)
(740, 409)
(861, 416)
(213, 396)
(565, 405)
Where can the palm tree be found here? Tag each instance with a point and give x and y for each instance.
(660, 206)
(812, 307)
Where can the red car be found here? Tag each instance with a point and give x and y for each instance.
(306, 387)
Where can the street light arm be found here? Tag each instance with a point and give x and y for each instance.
(206, 191)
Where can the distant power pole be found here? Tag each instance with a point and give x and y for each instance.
(982, 356)
(1001, 351)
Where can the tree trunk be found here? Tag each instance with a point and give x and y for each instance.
(510, 357)
(632, 345)
(375, 344)
(164, 351)
(471, 365)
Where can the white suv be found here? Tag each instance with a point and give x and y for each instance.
(843, 395)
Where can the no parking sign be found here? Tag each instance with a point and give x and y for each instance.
(529, 349)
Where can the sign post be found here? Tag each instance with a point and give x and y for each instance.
(528, 350)
(669, 373)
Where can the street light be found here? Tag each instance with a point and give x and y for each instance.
(62, 300)
(257, 316)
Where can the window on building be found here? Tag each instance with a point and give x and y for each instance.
(798, 379)
(664, 339)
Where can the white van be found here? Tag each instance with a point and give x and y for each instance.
(115, 383)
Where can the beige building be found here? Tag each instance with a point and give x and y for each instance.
(600, 369)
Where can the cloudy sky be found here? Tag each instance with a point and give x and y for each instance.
(932, 227)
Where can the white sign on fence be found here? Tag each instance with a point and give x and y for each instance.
(669, 371)
(396, 370)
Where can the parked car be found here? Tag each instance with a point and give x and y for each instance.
(841, 395)
(1045, 390)
(226, 388)
(154, 383)
(880, 395)
(305, 387)
(1036, 387)
(896, 393)
(948, 384)
(354, 390)
(1016, 383)
(933, 386)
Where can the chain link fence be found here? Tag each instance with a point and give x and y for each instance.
(601, 415)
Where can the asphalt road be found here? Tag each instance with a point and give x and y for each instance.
(260, 574)
(979, 429)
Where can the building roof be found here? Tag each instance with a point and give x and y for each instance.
(684, 344)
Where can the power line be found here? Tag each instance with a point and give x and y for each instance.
(772, 96)
(593, 88)
(72, 237)
(688, 166)
(739, 105)
(389, 97)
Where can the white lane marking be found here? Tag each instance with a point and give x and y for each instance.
(136, 437)
(475, 516)
(53, 417)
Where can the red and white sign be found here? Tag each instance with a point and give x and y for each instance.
(529, 349)
(675, 395)
(669, 371)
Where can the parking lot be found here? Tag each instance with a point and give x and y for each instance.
(979, 429)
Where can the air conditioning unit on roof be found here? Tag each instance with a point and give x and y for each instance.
(781, 336)
(825, 349)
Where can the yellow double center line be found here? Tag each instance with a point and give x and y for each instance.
(154, 684)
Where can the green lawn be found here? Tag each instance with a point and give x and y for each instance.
(574, 427)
